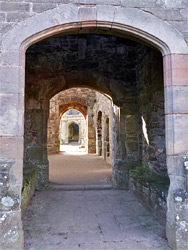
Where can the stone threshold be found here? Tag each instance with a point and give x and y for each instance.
(61, 187)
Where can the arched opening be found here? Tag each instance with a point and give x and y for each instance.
(143, 26)
(72, 128)
(130, 76)
(73, 135)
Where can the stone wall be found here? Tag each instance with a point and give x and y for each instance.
(171, 11)
(72, 98)
(151, 110)
(103, 108)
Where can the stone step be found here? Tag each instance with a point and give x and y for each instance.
(55, 187)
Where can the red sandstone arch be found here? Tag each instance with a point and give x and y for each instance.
(72, 105)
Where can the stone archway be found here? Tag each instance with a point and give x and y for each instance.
(74, 18)
(63, 102)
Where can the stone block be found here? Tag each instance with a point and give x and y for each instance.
(181, 26)
(9, 58)
(40, 7)
(157, 11)
(176, 70)
(12, 169)
(172, 14)
(13, 7)
(176, 134)
(96, 2)
(2, 17)
(11, 147)
(11, 78)
(184, 14)
(11, 233)
(141, 3)
(5, 27)
(17, 17)
(176, 99)
(87, 14)
(175, 165)
(47, 1)
(104, 13)
(175, 4)
(12, 114)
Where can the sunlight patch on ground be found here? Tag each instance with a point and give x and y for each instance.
(72, 149)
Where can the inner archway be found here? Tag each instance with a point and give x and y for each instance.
(71, 164)
(72, 128)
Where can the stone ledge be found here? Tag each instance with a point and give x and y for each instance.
(28, 189)
(151, 189)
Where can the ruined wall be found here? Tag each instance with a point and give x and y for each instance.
(71, 97)
(151, 110)
(104, 105)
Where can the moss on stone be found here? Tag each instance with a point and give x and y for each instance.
(146, 176)
(28, 189)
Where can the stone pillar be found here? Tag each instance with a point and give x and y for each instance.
(119, 156)
(53, 128)
(36, 145)
(91, 132)
(11, 149)
(131, 140)
(176, 112)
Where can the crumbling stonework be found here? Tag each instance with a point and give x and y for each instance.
(110, 65)
(103, 112)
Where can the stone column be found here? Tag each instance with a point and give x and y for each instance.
(53, 128)
(11, 148)
(36, 116)
(119, 150)
(176, 112)
(91, 132)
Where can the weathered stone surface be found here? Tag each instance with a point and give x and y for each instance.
(11, 234)
(176, 70)
(11, 111)
(176, 129)
(176, 100)
(108, 219)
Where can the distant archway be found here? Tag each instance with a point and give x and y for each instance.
(73, 132)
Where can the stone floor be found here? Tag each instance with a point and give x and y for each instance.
(74, 167)
(92, 220)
